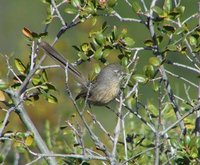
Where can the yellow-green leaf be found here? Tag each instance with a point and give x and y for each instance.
(20, 66)
(29, 140)
(154, 61)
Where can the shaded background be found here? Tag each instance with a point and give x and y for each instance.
(31, 14)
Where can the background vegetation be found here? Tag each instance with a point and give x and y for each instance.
(158, 44)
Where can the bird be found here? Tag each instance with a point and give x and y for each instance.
(104, 88)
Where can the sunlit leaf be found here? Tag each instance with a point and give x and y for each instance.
(129, 41)
(3, 84)
(99, 38)
(97, 68)
(139, 78)
(136, 7)
(71, 10)
(154, 61)
(193, 41)
(172, 47)
(98, 53)
(148, 43)
(2, 96)
(167, 6)
(29, 140)
(20, 66)
(111, 3)
(52, 99)
(76, 3)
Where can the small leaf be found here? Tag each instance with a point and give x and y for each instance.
(159, 39)
(155, 86)
(172, 47)
(44, 76)
(85, 47)
(129, 41)
(136, 7)
(179, 30)
(149, 71)
(82, 56)
(98, 54)
(106, 53)
(36, 80)
(124, 61)
(76, 3)
(153, 109)
(167, 6)
(154, 61)
(193, 40)
(111, 3)
(139, 78)
(52, 99)
(131, 102)
(97, 68)
(3, 84)
(70, 10)
(148, 43)
(2, 96)
(159, 11)
(99, 38)
(29, 140)
(20, 66)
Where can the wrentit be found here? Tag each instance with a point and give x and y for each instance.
(100, 91)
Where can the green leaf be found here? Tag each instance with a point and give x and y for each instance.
(99, 38)
(159, 11)
(29, 140)
(148, 43)
(152, 108)
(136, 7)
(154, 61)
(130, 102)
(44, 76)
(139, 78)
(2, 97)
(156, 86)
(97, 68)
(51, 99)
(193, 41)
(179, 30)
(129, 41)
(90, 10)
(111, 3)
(98, 53)
(82, 56)
(3, 84)
(149, 71)
(104, 26)
(159, 39)
(76, 3)
(124, 61)
(85, 47)
(36, 80)
(106, 53)
(172, 47)
(46, 1)
(70, 10)
(20, 66)
(167, 6)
